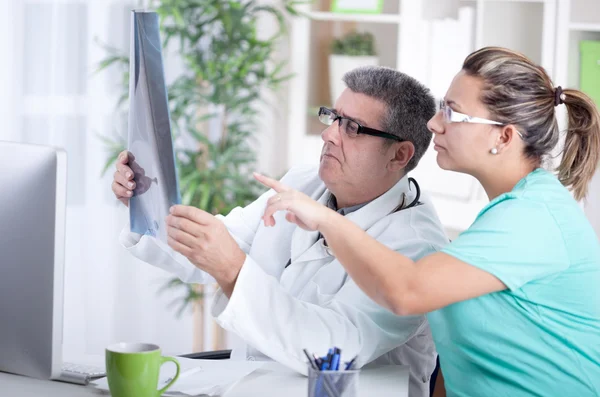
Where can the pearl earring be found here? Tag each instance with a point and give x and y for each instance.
(494, 151)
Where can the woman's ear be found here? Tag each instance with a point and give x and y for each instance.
(508, 133)
(403, 152)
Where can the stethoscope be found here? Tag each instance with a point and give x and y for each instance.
(400, 207)
(414, 203)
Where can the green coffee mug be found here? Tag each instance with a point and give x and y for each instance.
(132, 370)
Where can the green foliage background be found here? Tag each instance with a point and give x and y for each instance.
(354, 44)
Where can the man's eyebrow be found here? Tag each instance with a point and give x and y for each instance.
(362, 122)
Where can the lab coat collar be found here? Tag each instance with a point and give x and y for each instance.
(305, 246)
(383, 205)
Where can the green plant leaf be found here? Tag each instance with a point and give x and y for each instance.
(354, 44)
(114, 148)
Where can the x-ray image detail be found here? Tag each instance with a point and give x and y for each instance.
(152, 157)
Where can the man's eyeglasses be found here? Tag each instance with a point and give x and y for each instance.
(350, 127)
(452, 116)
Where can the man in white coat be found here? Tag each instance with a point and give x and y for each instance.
(281, 290)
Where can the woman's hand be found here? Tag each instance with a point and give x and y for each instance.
(301, 209)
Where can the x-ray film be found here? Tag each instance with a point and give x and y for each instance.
(152, 157)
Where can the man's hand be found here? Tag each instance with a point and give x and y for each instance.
(206, 242)
(123, 183)
(130, 178)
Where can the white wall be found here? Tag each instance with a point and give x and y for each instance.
(51, 95)
(271, 138)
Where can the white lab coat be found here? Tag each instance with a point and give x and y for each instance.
(313, 304)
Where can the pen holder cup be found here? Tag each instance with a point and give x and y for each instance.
(332, 383)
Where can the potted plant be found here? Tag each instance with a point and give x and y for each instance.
(213, 102)
(349, 52)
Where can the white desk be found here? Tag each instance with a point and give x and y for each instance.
(271, 381)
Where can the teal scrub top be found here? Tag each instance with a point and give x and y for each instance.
(540, 336)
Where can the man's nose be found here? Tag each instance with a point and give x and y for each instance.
(332, 133)
(436, 123)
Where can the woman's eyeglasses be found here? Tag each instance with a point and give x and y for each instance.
(350, 127)
(452, 116)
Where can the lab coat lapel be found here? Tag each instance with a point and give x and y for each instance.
(303, 241)
(305, 246)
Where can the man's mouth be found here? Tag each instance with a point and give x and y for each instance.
(324, 155)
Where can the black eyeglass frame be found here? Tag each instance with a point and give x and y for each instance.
(361, 128)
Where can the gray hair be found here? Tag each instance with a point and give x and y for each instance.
(409, 104)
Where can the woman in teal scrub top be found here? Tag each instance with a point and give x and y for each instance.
(514, 301)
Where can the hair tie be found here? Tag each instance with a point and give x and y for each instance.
(559, 96)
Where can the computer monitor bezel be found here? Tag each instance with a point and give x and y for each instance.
(27, 358)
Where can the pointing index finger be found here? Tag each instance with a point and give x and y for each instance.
(271, 183)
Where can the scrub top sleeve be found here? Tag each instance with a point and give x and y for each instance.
(516, 240)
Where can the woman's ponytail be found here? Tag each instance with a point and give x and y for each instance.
(581, 154)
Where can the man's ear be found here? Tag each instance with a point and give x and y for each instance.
(403, 152)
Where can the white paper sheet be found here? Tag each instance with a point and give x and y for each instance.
(199, 377)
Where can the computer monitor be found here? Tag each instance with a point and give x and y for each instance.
(33, 181)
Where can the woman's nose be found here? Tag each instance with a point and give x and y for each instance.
(436, 123)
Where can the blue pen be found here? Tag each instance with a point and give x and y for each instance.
(319, 361)
(327, 361)
(312, 363)
(350, 363)
(335, 361)
(329, 387)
